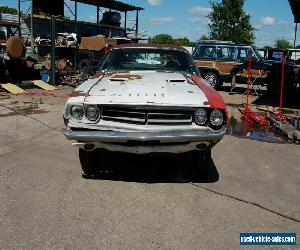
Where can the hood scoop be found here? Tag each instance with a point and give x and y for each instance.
(118, 79)
(176, 81)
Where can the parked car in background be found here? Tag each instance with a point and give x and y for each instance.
(189, 49)
(66, 39)
(292, 55)
(263, 52)
(145, 99)
(268, 72)
(216, 59)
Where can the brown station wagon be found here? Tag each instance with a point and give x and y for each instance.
(216, 59)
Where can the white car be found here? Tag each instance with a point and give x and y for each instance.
(136, 106)
(66, 39)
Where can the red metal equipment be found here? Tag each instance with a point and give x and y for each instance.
(280, 117)
(248, 115)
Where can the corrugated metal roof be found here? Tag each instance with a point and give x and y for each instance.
(110, 4)
(295, 6)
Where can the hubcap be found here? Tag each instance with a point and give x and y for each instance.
(210, 79)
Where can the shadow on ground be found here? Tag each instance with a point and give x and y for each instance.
(235, 91)
(265, 98)
(153, 169)
(273, 100)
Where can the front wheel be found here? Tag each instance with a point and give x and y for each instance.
(233, 83)
(84, 66)
(89, 162)
(201, 161)
(212, 79)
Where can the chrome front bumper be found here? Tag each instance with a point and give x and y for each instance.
(163, 137)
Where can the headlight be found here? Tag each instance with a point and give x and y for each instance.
(76, 112)
(201, 116)
(216, 118)
(92, 113)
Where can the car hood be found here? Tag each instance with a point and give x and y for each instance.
(145, 88)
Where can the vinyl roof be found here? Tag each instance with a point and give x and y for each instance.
(150, 46)
(110, 4)
(295, 6)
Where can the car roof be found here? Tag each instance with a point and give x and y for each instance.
(222, 43)
(150, 46)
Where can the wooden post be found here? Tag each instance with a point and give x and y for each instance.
(125, 24)
(53, 50)
(19, 17)
(137, 24)
(31, 24)
(295, 40)
(75, 16)
(97, 19)
(76, 30)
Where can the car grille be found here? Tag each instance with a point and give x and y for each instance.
(147, 116)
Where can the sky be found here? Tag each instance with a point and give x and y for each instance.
(272, 19)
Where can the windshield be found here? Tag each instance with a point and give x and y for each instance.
(134, 59)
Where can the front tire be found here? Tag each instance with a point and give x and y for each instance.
(233, 83)
(212, 79)
(202, 162)
(89, 162)
(84, 66)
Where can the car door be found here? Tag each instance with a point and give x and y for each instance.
(225, 60)
(258, 71)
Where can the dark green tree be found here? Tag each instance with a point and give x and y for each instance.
(229, 22)
(281, 43)
(8, 10)
(182, 42)
(162, 39)
(204, 37)
(267, 47)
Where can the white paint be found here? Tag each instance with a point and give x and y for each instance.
(175, 149)
(125, 127)
(155, 88)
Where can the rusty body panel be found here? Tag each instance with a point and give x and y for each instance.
(96, 43)
(126, 77)
(222, 67)
(225, 67)
(210, 64)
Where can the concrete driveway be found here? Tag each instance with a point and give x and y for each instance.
(141, 202)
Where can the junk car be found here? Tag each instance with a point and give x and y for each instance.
(216, 59)
(145, 99)
(268, 71)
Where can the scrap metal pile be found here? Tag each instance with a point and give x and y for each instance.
(285, 121)
(14, 66)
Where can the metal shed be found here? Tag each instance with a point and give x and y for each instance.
(47, 8)
(295, 6)
(111, 5)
